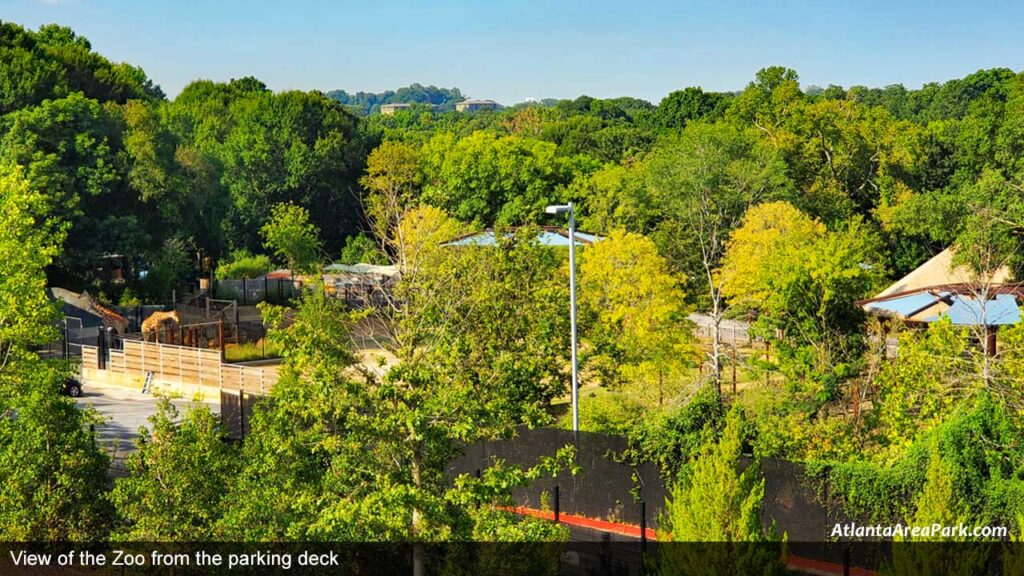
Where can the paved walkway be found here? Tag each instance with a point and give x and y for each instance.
(125, 411)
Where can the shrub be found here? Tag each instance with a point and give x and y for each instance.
(604, 411)
(672, 437)
(361, 249)
(244, 265)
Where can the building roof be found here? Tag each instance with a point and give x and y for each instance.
(362, 268)
(939, 289)
(939, 270)
(87, 309)
(548, 236)
(477, 102)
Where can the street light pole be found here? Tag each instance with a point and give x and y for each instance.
(572, 319)
(559, 209)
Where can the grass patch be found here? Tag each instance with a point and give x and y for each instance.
(247, 351)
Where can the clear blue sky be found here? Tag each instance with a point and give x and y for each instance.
(514, 50)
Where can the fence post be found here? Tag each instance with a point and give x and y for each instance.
(734, 368)
(241, 411)
(643, 526)
(244, 297)
(220, 337)
(265, 287)
(558, 504)
(65, 346)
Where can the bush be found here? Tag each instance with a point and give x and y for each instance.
(981, 446)
(674, 436)
(604, 411)
(244, 265)
(361, 249)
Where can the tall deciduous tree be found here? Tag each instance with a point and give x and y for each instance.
(52, 474)
(703, 181)
(292, 237)
(637, 311)
(363, 456)
(391, 181)
(803, 279)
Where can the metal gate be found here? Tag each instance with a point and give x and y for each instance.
(73, 337)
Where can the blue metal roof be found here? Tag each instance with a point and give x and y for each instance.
(544, 238)
(907, 305)
(968, 311)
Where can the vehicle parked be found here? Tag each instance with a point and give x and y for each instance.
(72, 387)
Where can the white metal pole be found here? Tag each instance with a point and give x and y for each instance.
(572, 305)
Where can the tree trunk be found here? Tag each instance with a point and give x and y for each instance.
(716, 342)
(418, 549)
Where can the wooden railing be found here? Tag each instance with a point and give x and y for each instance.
(186, 365)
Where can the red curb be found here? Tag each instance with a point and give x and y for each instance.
(806, 565)
(619, 528)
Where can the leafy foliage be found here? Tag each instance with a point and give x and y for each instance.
(177, 479)
(293, 238)
(243, 264)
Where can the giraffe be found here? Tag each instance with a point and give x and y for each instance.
(158, 321)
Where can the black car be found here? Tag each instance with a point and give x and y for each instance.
(72, 387)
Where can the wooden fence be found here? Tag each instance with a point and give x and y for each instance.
(186, 365)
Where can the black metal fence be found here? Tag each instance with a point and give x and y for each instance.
(604, 487)
(284, 290)
(253, 291)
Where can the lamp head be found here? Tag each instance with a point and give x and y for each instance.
(557, 209)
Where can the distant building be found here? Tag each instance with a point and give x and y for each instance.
(474, 105)
(546, 236)
(389, 109)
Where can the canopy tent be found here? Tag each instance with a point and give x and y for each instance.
(362, 269)
(548, 236)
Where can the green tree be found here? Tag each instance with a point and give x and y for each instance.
(293, 238)
(715, 500)
(298, 147)
(690, 104)
(937, 504)
(68, 151)
(52, 474)
(361, 249)
(391, 182)
(487, 179)
(639, 329)
(704, 180)
(177, 478)
(335, 455)
(932, 376)
(29, 243)
(803, 281)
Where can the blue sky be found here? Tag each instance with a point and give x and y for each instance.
(511, 51)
